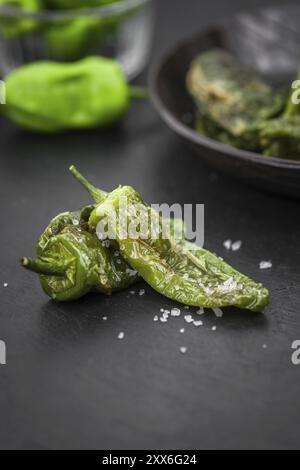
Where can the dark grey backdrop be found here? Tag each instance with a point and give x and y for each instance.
(68, 382)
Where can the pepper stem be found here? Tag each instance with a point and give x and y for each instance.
(97, 194)
(42, 267)
(138, 93)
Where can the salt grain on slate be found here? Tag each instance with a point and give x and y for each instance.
(155, 318)
(227, 244)
(198, 323)
(142, 292)
(188, 318)
(214, 328)
(121, 335)
(104, 318)
(183, 350)
(5, 285)
(132, 292)
(265, 265)
(218, 312)
(175, 312)
(236, 246)
(182, 330)
(265, 346)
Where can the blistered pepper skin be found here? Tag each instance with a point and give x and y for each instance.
(52, 97)
(179, 271)
(168, 263)
(59, 223)
(74, 262)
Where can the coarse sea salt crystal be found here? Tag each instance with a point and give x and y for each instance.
(265, 265)
(142, 292)
(265, 346)
(188, 318)
(121, 335)
(104, 318)
(132, 292)
(214, 328)
(236, 246)
(162, 310)
(175, 312)
(198, 323)
(155, 318)
(182, 330)
(5, 285)
(163, 319)
(227, 244)
(183, 349)
(131, 272)
(218, 312)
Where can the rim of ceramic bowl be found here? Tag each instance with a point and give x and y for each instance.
(188, 133)
(118, 7)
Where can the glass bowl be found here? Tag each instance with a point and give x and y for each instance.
(121, 30)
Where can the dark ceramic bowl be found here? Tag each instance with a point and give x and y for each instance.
(254, 38)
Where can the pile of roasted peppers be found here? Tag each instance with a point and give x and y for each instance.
(237, 108)
(74, 257)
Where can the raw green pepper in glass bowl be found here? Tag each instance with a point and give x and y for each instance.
(65, 30)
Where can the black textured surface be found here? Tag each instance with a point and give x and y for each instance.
(69, 382)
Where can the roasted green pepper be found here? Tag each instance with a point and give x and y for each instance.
(206, 126)
(281, 137)
(176, 269)
(72, 262)
(52, 97)
(232, 97)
